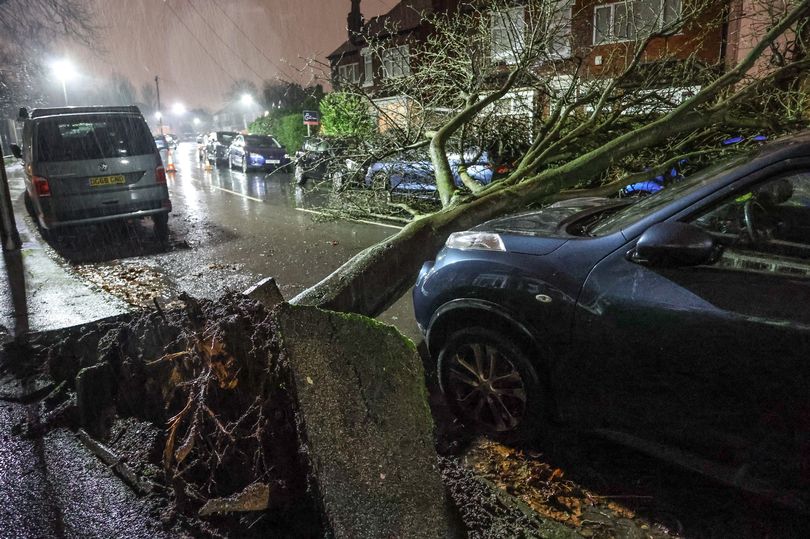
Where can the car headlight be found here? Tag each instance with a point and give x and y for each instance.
(256, 156)
(475, 241)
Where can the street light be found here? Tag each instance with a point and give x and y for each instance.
(158, 115)
(178, 109)
(196, 121)
(247, 101)
(64, 70)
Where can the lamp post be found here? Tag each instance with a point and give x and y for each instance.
(64, 70)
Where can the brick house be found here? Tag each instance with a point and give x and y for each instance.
(592, 32)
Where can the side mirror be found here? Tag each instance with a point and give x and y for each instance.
(675, 244)
(16, 151)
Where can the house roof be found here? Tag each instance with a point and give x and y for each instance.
(404, 17)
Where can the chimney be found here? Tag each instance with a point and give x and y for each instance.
(356, 21)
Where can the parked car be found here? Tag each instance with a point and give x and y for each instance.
(414, 173)
(172, 140)
(92, 164)
(257, 151)
(317, 155)
(679, 319)
(161, 142)
(216, 149)
(163, 148)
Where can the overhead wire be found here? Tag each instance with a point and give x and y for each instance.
(227, 46)
(200, 43)
(250, 40)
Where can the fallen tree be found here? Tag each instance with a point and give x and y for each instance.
(593, 127)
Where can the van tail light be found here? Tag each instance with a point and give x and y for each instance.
(160, 175)
(42, 186)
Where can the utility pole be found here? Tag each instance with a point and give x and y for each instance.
(8, 227)
(160, 111)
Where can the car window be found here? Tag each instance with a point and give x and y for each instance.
(766, 228)
(225, 139)
(262, 141)
(73, 139)
(615, 221)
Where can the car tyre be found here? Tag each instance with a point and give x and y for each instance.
(490, 384)
(161, 227)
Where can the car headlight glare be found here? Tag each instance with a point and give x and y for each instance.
(475, 241)
(256, 155)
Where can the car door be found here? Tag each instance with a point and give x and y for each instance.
(717, 356)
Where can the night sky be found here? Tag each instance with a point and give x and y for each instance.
(199, 61)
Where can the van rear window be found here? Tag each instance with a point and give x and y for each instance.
(80, 138)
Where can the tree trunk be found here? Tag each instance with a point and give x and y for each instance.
(375, 278)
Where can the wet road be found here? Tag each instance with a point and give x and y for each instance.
(228, 230)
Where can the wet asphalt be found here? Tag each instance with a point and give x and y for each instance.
(228, 230)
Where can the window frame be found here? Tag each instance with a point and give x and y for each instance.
(398, 56)
(368, 67)
(505, 18)
(354, 79)
(611, 6)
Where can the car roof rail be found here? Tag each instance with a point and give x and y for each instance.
(52, 111)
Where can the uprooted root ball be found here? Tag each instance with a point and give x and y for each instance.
(230, 424)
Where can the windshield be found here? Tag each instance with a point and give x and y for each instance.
(225, 138)
(611, 222)
(69, 139)
(265, 142)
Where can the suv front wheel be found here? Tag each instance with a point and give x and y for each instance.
(489, 383)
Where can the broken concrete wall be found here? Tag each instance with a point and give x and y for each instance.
(365, 425)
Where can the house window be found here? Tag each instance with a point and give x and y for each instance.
(368, 67)
(348, 74)
(623, 21)
(558, 29)
(508, 34)
(516, 103)
(396, 62)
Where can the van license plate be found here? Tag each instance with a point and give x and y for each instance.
(107, 180)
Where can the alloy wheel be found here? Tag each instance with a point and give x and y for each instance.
(486, 387)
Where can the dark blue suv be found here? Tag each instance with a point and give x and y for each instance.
(682, 317)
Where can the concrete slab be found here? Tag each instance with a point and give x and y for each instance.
(365, 425)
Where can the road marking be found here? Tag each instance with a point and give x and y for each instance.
(237, 194)
(351, 219)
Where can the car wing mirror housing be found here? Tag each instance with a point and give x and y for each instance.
(674, 244)
(16, 151)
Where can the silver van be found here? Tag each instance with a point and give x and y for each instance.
(88, 165)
